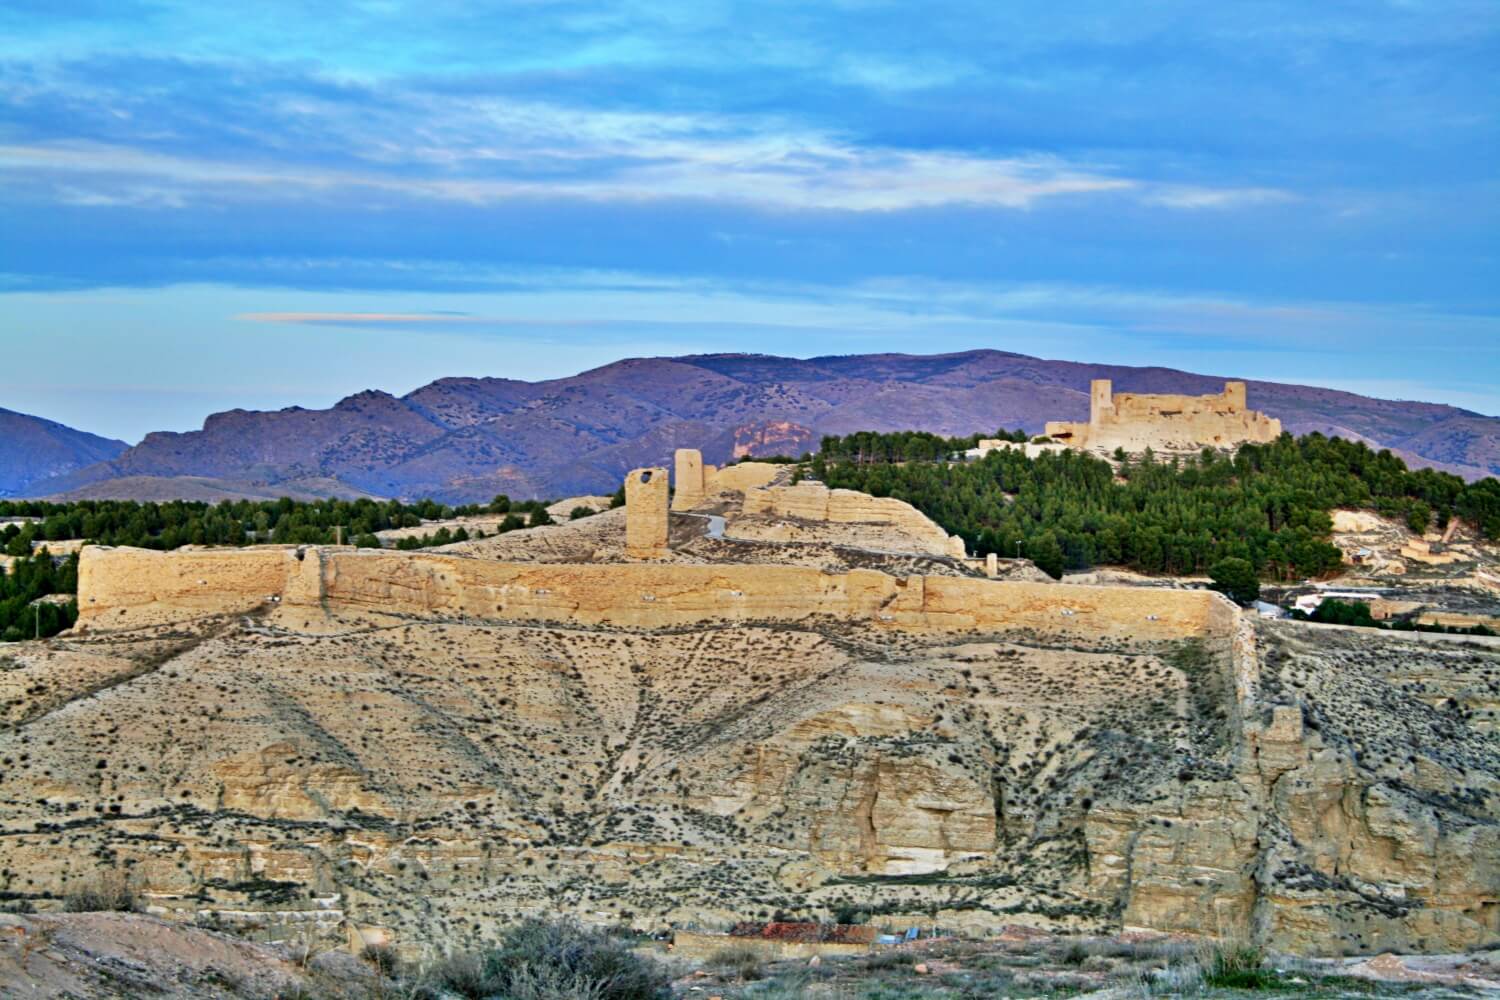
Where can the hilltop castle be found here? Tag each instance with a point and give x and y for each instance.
(1136, 421)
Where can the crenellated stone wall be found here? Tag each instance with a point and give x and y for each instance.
(1136, 421)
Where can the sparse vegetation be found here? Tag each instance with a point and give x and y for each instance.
(548, 960)
(742, 962)
(1239, 966)
(107, 890)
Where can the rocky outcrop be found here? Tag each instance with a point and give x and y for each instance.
(422, 744)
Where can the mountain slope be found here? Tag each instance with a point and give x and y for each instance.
(33, 449)
(464, 439)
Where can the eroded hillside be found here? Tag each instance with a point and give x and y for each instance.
(424, 746)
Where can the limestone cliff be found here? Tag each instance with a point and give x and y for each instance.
(429, 744)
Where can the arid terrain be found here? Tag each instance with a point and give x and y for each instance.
(357, 747)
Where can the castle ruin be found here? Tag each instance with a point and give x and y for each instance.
(690, 478)
(1136, 421)
(646, 494)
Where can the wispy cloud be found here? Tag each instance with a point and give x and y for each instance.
(1183, 196)
(783, 172)
(1285, 180)
(485, 149)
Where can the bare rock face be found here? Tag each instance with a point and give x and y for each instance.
(1385, 806)
(426, 746)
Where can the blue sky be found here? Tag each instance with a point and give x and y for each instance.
(214, 205)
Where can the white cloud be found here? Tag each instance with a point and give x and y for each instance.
(1187, 196)
(485, 150)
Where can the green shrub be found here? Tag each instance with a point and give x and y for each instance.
(552, 960)
(848, 913)
(1239, 967)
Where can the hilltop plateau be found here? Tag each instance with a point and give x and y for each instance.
(466, 439)
(770, 716)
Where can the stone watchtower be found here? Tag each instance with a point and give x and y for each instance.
(1101, 402)
(646, 496)
(690, 479)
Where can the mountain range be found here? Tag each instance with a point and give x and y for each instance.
(34, 450)
(467, 439)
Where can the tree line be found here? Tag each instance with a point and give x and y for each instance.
(875, 448)
(171, 525)
(28, 579)
(1269, 504)
(177, 523)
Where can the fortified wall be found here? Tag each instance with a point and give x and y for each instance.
(1137, 421)
(816, 502)
(646, 529)
(121, 587)
(694, 482)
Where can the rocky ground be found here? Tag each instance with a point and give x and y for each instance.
(430, 779)
(106, 956)
(366, 777)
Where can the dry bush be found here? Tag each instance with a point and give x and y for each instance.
(108, 890)
(743, 961)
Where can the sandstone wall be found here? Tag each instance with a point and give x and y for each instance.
(742, 478)
(646, 495)
(187, 584)
(816, 502)
(119, 581)
(687, 479)
(1136, 421)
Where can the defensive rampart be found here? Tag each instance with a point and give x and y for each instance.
(1136, 421)
(119, 587)
(741, 477)
(816, 502)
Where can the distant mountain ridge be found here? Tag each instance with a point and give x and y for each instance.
(464, 439)
(33, 449)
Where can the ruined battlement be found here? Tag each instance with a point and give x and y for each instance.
(122, 587)
(1135, 421)
(646, 519)
(815, 502)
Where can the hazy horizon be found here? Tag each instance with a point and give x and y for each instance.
(207, 209)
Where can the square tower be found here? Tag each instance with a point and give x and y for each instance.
(1101, 402)
(689, 479)
(646, 513)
